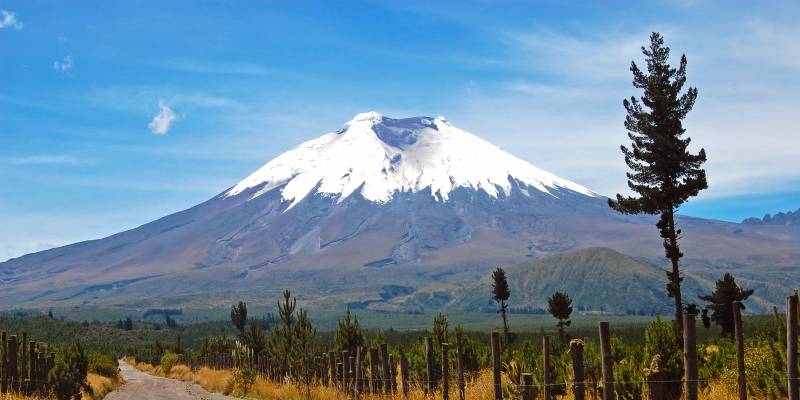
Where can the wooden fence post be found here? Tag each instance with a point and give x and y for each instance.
(345, 370)
(31, 364)
(739, 336)
(429, 364)
(332, 371)
(373, 370)
(460, 365)
(4, 362)
(498, 389)
(393, 374)
(350, 373)
(404, 374)
(39, 368)
(23, 356)
(342, 375)
(791, 345)
(13, 367)
(527, 386)
(387, 374)
(359, 371)
(690, 357)
(607, 366)
(546, 367)
(445, 371)
(578, 375)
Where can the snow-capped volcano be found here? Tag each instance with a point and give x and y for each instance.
(380, 156)
(376, 210)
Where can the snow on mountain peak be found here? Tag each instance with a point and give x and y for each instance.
(379, 156)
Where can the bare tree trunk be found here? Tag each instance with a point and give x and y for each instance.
(673, 253)
(739, 336)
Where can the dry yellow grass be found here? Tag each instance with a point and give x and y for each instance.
(14, 396)
(214, 380)
(101, 385)
(479, 388)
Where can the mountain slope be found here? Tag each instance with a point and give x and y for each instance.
(380, 203)
(597, 279)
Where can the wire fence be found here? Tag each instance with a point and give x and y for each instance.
(373, 371)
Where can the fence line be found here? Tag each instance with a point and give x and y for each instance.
(24, 365)
(372, 371)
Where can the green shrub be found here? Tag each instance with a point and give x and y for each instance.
(68, 376)
(240, 382)
(660, 340)
(103, 364)
(169, 360)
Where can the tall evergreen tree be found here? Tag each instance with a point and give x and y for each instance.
(501, 293)
(239, 317)
(721, 303)
(560, 307)
(663, 173)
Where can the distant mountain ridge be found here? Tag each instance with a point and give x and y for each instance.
(781, 218)
(380, 209)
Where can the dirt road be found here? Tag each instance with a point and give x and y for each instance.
(141, 386)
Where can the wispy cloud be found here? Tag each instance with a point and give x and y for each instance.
(46, 159)
(205, 67)
(764, 41)
(10, 20)
(576, 57)
(64, 65)
(163, 121)
(565, 114)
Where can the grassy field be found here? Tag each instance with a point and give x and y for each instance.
(106, 337)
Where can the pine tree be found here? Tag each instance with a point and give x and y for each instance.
(69, 373)
(307, 348)
(128, 324)
(663, 173)
(239, 317)
(254, 337)
(348, 334)
(721, 303)
(501, 293)
(285, 332)
(560, 307)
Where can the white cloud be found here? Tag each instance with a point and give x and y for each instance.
(64, 65)
(163, 121)
(10, 20)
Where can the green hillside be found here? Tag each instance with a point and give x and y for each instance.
(597, 279)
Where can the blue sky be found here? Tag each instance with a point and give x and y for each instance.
(116, 113)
